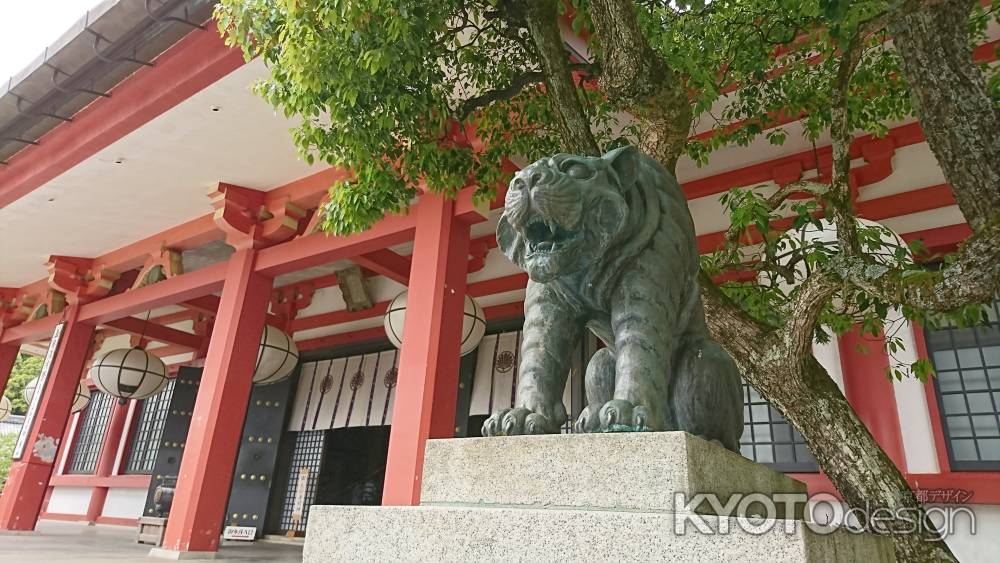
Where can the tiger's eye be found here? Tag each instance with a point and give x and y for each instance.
(579, 171)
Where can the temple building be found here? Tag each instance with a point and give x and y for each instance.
(149, 200)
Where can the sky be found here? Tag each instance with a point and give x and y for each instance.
(27, 27)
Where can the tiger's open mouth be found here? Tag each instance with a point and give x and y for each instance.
(547, 237)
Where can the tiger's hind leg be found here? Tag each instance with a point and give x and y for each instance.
(600, 387)
(707, 395)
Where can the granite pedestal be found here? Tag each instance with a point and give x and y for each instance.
(588, 497)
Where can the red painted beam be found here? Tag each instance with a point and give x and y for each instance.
(207, 304)
(373, 334)
(479, 289)
(317, 249)
(386, 263)
(337, 317)
(512, 282)
(167, 292)
(116, 481)
(30, 331)
(905, 203)
(941, 239)
(157, 332)
(506, 311)
(761, 172)
(170, 350)
(196, 61)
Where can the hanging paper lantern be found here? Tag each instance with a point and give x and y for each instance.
(473, 323)
(277, 357)
(29, 390)
(80, 399)
(4, 408)
(129, 373)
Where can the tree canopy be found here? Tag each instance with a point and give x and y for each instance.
(26, 368)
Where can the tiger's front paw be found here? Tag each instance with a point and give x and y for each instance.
(618, 415)
(589, 420)
(518, 421)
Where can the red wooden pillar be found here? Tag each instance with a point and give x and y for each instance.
(206, 471)
(864, 360)
(8, 355)
(427, 387)
(29, 477)
(106, 461)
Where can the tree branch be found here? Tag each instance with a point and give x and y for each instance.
(777, 198)
(974, 277)
(730, 325)
(803, 311)
(840, 196)
(542, 19)
(516, 85)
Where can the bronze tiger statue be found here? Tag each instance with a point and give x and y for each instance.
(608, 244)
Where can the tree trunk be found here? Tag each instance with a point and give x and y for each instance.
(960, 120)
(542, 19)
(849, 454)
(810, 400)
(635, 77)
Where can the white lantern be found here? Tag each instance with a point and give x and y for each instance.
(277, 357)
(4, 408)
(473, 323)
(129, 373)
(29, 390)
(884, 251)
(80, 399)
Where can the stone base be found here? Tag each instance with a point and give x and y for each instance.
(618, 471)
(589, 497)
(462, 534)
(174, 555)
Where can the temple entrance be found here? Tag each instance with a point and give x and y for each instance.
(354, 466)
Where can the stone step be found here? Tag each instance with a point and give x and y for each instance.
(451, 533)
(639, 471)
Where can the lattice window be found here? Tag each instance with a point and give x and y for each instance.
(306, 455)
(967, 364)
(93, 426)
(768, 438)
(146, 436)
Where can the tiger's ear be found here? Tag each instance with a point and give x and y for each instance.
(625, 162)
(509, 241)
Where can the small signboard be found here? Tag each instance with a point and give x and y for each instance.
(299, 504)
(239, 533)
(36, 399)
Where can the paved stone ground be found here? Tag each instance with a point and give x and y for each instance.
(56, 541)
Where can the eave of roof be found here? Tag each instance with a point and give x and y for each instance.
(109, 43)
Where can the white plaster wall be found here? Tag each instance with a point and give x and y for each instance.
(828, 355)
(971, 540)
(69, 500)
(911, 407)
(983, 546)
(124, 503)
